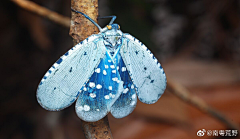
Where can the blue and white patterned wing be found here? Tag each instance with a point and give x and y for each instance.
(127, 101)
(63, 82)
(144, 69)
(101, 91)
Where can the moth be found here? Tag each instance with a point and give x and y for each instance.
(105, 73)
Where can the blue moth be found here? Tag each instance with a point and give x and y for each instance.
(105, 73)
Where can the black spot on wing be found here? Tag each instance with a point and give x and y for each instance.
(152, 81)
(59, 61)
(70, 69)
(85, 53)
(66, 54)
(145, 68)
(55, 72)
(149, 77)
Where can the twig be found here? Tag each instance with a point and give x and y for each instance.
(42, 11)
(80, 29)
(86, 29)
(197, 102)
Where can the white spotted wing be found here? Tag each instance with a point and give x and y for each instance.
(63, 82)
(102, 90)
(144, 69)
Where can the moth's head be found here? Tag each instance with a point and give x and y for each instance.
(112, 34)
(113, 27)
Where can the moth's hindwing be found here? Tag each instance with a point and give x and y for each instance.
(101, 91)
(144, 69)
(127, 101)
(63, 82)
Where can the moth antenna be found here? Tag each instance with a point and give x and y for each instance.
(112, 20)
(100, 29)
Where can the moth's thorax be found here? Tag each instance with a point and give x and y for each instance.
(112, 38)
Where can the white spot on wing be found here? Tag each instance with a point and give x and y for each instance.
(92, 95)
(85, 89)
(125, 90)
(111, 95)
(99, 86)
(51, 69)
(113, 71)
(47, 74)
(97, 70)
(64, 57)
(106, 66)
(115, 79)
(55, 65)
(132, 86)
(92, 84)
(132, 103)
(104, 72)
(106, 97)
(86, 108)
(112, 66)
(151, 55)
(123, 69)
(110, 87)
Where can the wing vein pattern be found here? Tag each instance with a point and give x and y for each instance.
(63, 82)
(144, 69)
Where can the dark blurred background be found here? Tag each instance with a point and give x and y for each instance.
(197, 42)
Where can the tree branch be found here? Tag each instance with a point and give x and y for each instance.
(42, 11)
(182, 93)
(80, 29)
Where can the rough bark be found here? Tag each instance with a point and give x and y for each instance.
(80, 29)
